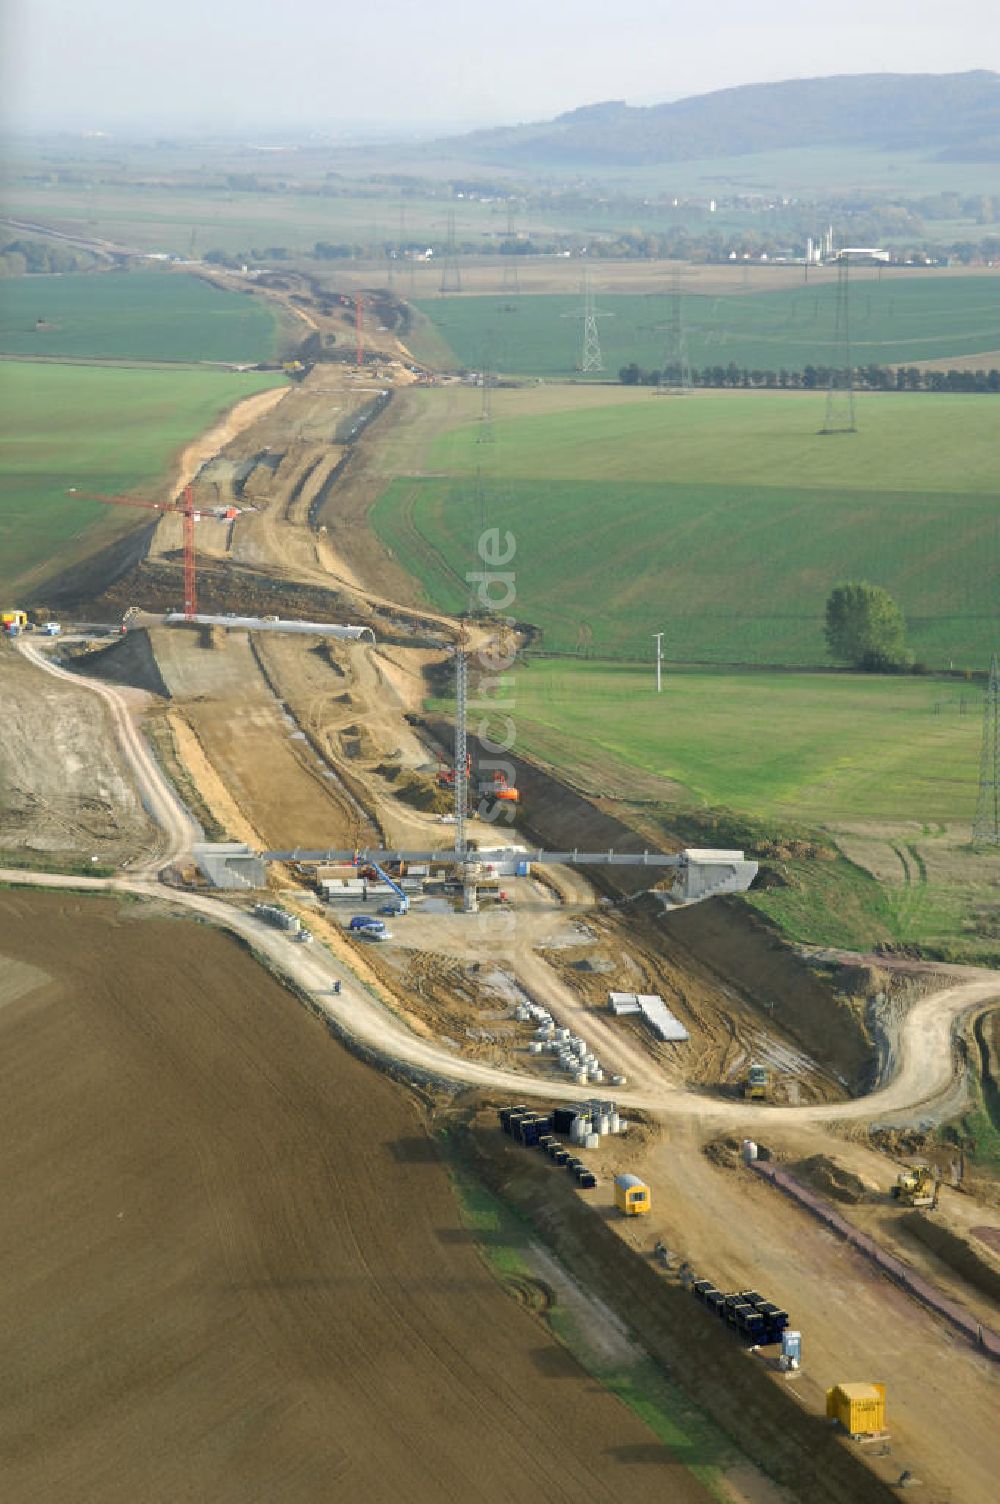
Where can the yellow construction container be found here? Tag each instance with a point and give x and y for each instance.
(860, 1408)
(631, 1195)
(14, 619)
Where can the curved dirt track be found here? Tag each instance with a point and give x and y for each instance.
(925, 1069)
(234, 1267)
(158, 795)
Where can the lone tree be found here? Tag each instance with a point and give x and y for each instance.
(865, 627)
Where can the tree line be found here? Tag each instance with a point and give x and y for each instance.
(20, 257)
(872, 378)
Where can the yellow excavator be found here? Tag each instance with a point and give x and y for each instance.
(917, 1185)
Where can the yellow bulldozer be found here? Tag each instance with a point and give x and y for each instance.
(757, 1084)
(917, 1185)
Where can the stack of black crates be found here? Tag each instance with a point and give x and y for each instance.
(755, 1320)
(536, 1130)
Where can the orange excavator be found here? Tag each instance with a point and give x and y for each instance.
(494, 785)
(497, 787)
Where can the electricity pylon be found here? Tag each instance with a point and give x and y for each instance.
(986, 828)
(485, 433)
(451, 276)
(590, 355)
(674, 379)
(511, 281)
(840, 388)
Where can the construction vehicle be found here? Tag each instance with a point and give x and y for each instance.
(446, 775)
(757, 1084)
(496, 786)
(917, 1185)
(373, 870)
(492, 785)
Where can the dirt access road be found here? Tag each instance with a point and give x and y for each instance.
(234, 1268)
(158, 795)
(64, 786)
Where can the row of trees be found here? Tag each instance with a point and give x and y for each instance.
(873, 378)
(18, 257)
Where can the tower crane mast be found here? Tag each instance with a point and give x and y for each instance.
(185, 508)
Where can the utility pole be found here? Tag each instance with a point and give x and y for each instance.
(986, 829)
(659, 661)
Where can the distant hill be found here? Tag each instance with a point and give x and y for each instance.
(950, 116)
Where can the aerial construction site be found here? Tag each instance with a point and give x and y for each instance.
(398, 1116)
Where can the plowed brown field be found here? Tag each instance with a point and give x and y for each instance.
(233, 1266)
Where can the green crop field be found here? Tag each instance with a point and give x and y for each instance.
(106, 429)
(158, 316)
(894, 319)
(722, 520)
(805, 748)
(887, 769)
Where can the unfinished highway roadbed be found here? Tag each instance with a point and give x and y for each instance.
(234, 1267)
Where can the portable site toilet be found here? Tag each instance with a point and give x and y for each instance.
(631, 1195)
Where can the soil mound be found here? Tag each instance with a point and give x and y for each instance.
(128, 660)
(831, 1179)
(725, 1152)
(419, 790)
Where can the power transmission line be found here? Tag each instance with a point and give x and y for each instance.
(674, 379)
(590, 355)
(840, 417)
(511, 282)
(451, 276)
(986, 828)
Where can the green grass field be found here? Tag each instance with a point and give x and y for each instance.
(105, 429)
(893, 319)
(786, 747)
(722, 520)
(884, 769)
(158, 316)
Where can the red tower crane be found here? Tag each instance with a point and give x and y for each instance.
(186, 509)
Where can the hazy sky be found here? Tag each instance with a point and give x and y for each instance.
(266, 64)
